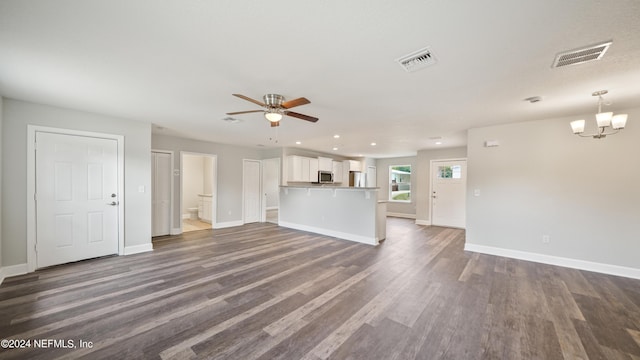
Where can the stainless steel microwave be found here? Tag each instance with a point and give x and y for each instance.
(325, 177)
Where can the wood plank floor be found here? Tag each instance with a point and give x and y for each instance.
(264, 292)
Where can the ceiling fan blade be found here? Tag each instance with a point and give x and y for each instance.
(295, 102)
(301, 116)
(249, 99)
(244, 112)
(274, 124)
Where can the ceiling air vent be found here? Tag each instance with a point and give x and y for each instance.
(583, 55)
(417, 60)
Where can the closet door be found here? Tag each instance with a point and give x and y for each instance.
(161, 193)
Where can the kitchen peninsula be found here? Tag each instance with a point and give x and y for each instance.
(350, 213)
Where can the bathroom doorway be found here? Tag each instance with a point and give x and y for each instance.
(198, 191)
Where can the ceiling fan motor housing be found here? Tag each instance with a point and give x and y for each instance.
(273, 100)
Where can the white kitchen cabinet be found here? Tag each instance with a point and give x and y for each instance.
(313, 169)
(299, 168)
(325, 163)
(355, 165)
(338, 175)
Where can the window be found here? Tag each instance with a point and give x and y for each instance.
(400, 183)
(450, 172)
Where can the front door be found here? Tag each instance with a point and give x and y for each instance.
(76, 198)
(448, 196)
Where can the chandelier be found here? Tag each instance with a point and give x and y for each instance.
(608, 124)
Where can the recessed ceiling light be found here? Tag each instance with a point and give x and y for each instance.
(438, 142)
(336, 136)
(335, 148)
(373, 144)
(298, 142)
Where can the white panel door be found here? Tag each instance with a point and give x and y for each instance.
(76, 198)
(161, 193)
(251, 191)
(448, 197)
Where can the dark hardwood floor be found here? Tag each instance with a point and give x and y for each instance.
(264, 292)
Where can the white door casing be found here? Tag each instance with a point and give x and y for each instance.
(161, 185)
(251, 193)
(448, 193)
(77, 198)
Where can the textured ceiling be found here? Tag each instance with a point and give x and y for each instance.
(176, 63)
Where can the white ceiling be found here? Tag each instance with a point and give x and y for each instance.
(176, 63)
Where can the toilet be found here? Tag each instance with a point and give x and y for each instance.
(193, 213)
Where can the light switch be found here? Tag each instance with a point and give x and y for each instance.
(476, 192)
(141, 188)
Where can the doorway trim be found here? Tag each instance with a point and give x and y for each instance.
(214, 187)
(430, 222)
(31, 184)
(171, 229)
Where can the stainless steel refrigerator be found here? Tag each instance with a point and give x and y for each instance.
(357, 179)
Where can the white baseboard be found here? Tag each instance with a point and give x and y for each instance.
(136, 249)
(272, 208)
(401, 215)
(227, 224)
(423, 222)
(556, 260)
(336, 234)
(175, 231)
(13, 270)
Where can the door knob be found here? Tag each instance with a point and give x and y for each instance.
(114, 203)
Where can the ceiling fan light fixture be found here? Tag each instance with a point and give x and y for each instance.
(273, 116)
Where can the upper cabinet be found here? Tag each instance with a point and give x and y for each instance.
(302, 169)
(325, 164)
(355, 165)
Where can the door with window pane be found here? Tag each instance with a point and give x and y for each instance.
(448, 193)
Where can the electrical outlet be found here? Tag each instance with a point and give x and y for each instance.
(545, 239)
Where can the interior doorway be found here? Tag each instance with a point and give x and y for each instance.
(448, 192)
(271, 189)
(198, 196)
(251, 191)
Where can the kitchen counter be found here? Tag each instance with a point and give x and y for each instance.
(350, 213)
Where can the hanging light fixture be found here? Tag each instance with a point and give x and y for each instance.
(605, 120)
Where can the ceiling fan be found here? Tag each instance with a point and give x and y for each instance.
(275, 107)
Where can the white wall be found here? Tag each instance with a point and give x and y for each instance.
(207, 170)
(382, 169)
(423, 178)
(543, 180)
(1, 190)
(229, 172)
(192, 181)
(17, 115)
